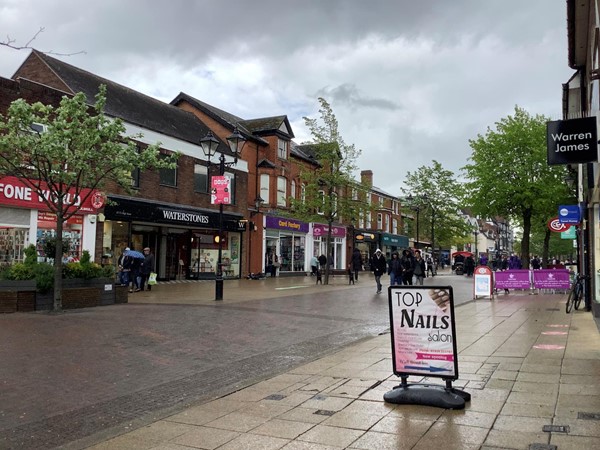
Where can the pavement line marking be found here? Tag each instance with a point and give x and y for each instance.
(289, 287)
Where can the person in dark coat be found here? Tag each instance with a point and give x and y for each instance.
(469, 266)
(145, 269)
(408, 266)
(378, 266)
(356, 262)
(395, 269)
(419, 267)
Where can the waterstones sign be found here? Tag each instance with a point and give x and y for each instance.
(572, 141)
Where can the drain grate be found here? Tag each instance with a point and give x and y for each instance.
(275, 397)
(552, 309)
(542, 447)
(588, 416)
(556, 428)
(324, 412)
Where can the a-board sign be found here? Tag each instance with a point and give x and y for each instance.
(423, 331)
(482, 281)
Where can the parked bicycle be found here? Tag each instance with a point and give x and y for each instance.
(576, 293)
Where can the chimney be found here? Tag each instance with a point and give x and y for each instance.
(366, 177)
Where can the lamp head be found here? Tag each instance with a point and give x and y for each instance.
(236, 142)
(209, 145)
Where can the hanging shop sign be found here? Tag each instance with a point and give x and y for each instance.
(571, 233)
(394, 240)
(220, 193)
(322, 230)
(569, 214)
(14, 192)
(572, 141)
(282, 223)
(423, 331)
(557, 226)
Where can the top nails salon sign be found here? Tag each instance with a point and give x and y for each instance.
(572, 141)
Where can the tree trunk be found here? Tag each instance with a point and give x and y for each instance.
(58, 259)
(546, 248)
(327, 253)
(526, 237)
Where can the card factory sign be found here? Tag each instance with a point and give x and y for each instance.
(423, 331)
(572, 141)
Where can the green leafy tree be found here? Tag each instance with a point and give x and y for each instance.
(436, 192)
(509, 175)
(329, 186)
(80, 150)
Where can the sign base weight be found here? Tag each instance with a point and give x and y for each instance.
(428, 394)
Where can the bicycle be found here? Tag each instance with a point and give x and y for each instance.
(575, 294)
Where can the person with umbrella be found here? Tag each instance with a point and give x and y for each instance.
(136, 259)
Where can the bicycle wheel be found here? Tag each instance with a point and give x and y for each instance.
(569, 304)
(578, 296)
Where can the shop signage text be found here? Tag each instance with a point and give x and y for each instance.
(181, 216)
(16, 193)
(572, 141)
(286, 224)
(322, 230)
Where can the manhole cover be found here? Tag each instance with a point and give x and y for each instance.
(588, 416)
(324, 412)
(552, 309)
(556, 428)
(542, 447)
(275, 397)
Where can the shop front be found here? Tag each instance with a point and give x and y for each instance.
(336, 253)
(366, 242)
(185, 240)
(25, 219)
(285, 245)
(393, 243)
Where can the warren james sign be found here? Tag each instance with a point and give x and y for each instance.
(572, 141)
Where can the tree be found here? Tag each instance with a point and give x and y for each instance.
(509, 175)
(328, 187)
(436, 192)
(79, 152)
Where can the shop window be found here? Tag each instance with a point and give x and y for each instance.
(281, 191)
(200, 178)
(264, 188)
(168, 177)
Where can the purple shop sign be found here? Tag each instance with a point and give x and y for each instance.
(512, 279)
(321, 230)
(282, 223)
(551, 279)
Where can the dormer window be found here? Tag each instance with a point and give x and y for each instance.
(282, 149)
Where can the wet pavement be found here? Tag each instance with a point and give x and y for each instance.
(195, 373)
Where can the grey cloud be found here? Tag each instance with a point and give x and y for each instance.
(348, 94)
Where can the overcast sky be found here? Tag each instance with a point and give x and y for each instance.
(409, 81)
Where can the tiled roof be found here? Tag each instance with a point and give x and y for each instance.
(130, 105)
(269, 125)
(223, 117)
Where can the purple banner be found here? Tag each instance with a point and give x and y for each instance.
(551, 279)
(282, 223)
(512, 279)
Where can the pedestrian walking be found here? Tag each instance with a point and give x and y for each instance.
(123, 276)
(314, 265)
(147, 266)
(419, 268)
(357, 263)
(395, 269)
(378, 266)
(407, 267)
(430, 265)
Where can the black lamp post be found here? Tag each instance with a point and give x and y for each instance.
(417, 208)
(476, 234)
(209, 146)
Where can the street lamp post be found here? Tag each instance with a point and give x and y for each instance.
(417, 208)
(476, 234)
(209, 146)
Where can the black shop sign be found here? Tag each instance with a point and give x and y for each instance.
(572, 141)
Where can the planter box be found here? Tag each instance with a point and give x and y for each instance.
(77, 293)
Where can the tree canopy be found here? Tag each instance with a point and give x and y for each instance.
(509, 176)
(66, 153)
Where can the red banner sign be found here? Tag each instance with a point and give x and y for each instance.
(14, 192)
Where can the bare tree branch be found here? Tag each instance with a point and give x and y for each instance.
(10, 43)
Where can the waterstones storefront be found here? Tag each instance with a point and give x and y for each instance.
(184, 240)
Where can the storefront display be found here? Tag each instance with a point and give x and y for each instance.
(285, 239)
(336, 250)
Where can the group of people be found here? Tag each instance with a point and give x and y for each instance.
(135, 272)
(400, 268)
